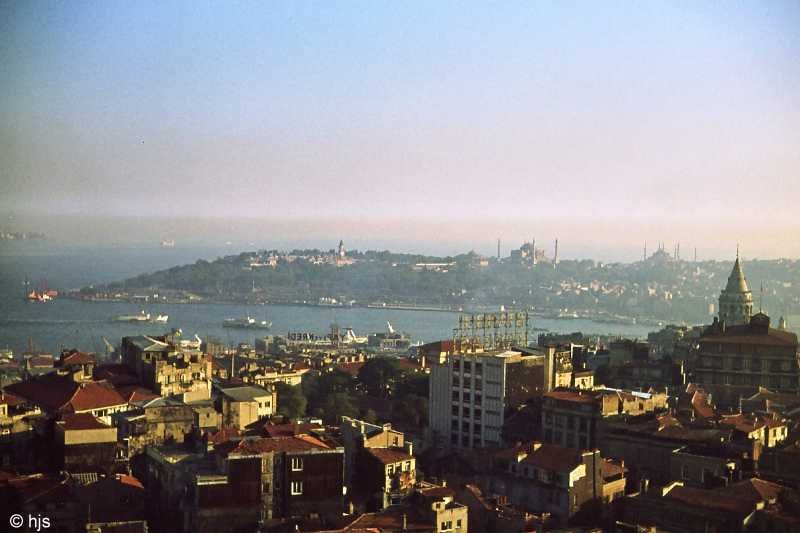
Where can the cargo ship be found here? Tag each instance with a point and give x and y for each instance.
(40, 295)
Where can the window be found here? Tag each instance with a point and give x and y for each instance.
(458, 522)
(407, 466)
(466, 397)
(685, 471)
(447, 526)
(476, 414)
(455, 396)
(466, 412)
(457, 365)
(454, 424)
(390, 469)
(455, 410)
(479, 368)
(478, 399)
(297, 464)
(297, 488)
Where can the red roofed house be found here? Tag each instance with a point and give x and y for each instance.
(56, 394)
(83, 443)
(546, 478)
(244, 482)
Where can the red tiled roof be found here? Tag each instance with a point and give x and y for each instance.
(556, 458)
(572, 396)
(225, 434)
(130, 480)
(389, 455)
(754, 490)
(287, 430)
(74, 357)
(296, 443)
(136, 393)
(80, 421)
(31, 487)
(52, 392)
(711, 499)
(747, 334)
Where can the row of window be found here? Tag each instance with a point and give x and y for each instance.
(785, 382)
(476, 428)
(399, 467)
(572, 441)
(756, 365)
(468, 367)
(465, 397)
(568, 421)
(465, 412)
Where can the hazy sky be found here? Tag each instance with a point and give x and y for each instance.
(635, 119)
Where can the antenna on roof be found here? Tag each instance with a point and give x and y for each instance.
(761, 299)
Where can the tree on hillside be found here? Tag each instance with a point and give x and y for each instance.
(379, 375)
(291, 401)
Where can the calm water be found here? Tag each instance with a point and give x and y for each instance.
(82, 325)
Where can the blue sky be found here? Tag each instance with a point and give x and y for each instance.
(644, 115)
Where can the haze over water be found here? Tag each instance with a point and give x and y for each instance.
(434, 127)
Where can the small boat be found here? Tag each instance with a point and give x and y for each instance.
(246, 323)
(161, 319)
(141, 317)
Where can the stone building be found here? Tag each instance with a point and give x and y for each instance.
(736, 301)
(166, 367)
(732, 362)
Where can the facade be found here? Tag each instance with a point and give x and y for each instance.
(733, 362)
(470, 392)
(166, 367)
(242, 406)
(357, 435)
(245, 482)
(154, 422)
(547, 478)
(572, 418)
(17, 419)
(85, 444)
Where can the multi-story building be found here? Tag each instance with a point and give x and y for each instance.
(357, 435)
(732, 362)
(168, 368)
(83, 443)
(470, 392)
(547, 478)
(572, 418)
(241, 406)
(246, 482)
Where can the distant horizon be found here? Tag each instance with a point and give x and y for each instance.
(603, 124)
(607, 241)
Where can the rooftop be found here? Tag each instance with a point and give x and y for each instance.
(245, 394)
(60, 393)
(389, 455)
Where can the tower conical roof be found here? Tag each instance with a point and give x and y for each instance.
(737, 281)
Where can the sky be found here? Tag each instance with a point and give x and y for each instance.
(605, 124)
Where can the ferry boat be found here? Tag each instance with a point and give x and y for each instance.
(141, 317)
(246, 323)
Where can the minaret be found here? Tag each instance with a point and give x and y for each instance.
(533, 249)
(644, 256)
(555, 255)
(498, 248)
(735, 300)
